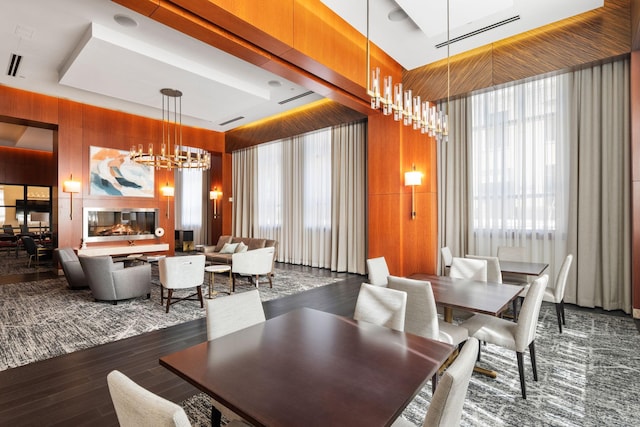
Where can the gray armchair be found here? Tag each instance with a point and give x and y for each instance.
(71, 267)
(110, 281)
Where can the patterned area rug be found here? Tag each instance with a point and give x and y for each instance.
(587, 376)
(43, 319)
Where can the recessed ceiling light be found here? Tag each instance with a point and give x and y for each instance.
(125, 21)
(275, 83)
(397, 15)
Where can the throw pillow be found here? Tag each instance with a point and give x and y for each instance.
(241, 248)
(229, 248)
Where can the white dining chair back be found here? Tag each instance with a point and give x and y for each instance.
(494, 274)
(378, 271)
(529, 312)
(445, 409)
(556, 294)
(230, 314)
(138, 407)
(466, 268)
(181, 272)
(421, 316)
(381, 306)
(445, 257)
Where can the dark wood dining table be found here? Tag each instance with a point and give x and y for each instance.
(311, 368)
(523, 268)
(470, 295)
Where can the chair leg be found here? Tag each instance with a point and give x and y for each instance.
(215, 417)
(200, 296)
(559, 316)
(233, 283)
(169, 294)
(532, 353)
(523, 387)
(562, 309)
(434, 383)
(161, 294)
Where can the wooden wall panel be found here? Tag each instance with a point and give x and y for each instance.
(320, 115)
(21, 166)
(227, 176)
(591, 36)
(29, 106)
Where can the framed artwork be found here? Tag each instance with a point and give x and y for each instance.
(112, 173)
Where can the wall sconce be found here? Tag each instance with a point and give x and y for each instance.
(215, 195)
(412, 179)
(70, 186)
(167, 191)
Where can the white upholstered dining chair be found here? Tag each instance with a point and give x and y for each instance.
(381, 306)
(555, 294)
(445, 409)
(513, 253)
(138, 407)
(511, 335)
(493, 267)
(466, 268)
(446, 257)
(181, 272)
(227, 315)
(378, 271)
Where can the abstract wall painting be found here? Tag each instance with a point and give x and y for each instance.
(112, 173)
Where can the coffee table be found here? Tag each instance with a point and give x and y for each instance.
(212, 270)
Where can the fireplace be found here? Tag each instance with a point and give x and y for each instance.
(108, 224)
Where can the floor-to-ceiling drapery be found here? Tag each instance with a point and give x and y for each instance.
(545, 164)
(191, 203)
(308, 193)
(600, 231)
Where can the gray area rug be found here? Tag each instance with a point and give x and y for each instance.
(43, 319)
(587, 376)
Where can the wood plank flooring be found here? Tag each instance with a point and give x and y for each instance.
(71, 390)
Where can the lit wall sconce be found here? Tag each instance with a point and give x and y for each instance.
(215, 195)
(167, 191)
(70, 186)
(412, 179)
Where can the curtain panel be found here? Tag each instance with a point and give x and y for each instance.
(545, 164)
(308, 193)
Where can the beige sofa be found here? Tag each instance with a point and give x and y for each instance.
(213, 252)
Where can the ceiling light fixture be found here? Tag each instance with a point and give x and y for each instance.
(411, 110)
(181, 157)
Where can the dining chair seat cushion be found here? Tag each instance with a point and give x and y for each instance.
(451, 334)
(492, 329)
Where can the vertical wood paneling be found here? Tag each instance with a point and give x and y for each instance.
(21, 166)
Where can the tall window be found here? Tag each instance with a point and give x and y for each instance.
(519, 176)
(270, 186)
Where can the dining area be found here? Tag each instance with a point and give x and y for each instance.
(307, 366)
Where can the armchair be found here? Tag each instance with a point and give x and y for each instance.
(110, 281)
(253, 263)
(72, 269)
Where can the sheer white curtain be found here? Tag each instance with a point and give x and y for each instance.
(519, 175)
(190, 210)
(306, 192)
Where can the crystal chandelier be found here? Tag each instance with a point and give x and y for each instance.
(411, 110)
(172, 154)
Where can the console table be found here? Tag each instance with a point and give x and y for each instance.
(123, 250)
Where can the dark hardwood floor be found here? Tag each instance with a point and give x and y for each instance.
(71, 390)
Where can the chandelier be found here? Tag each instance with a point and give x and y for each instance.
(172, 154)
(424, 116)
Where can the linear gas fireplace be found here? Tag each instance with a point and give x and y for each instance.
(108, 224)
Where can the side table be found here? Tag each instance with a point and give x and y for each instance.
(212, 270)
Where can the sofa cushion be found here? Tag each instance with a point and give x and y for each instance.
(241, 248)
(221, 241)
(229, 248)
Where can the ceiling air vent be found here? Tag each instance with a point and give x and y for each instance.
(302, 95)
(14, 63)
(231, 121)
(480, 30)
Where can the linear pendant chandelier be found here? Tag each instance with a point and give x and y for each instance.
(411, 110)
(172, 154)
